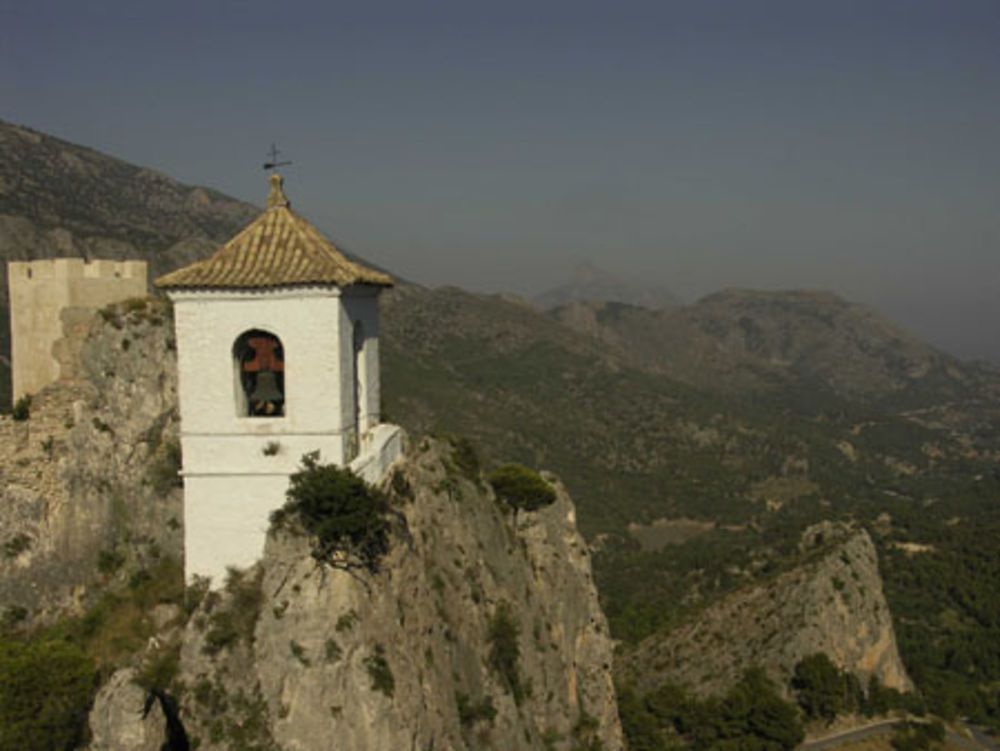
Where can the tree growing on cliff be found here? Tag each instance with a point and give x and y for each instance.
(521, 488)
(505, 651)
(340, 510)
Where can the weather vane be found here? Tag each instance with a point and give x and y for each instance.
(274, 163)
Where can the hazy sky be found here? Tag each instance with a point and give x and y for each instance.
(853, 146)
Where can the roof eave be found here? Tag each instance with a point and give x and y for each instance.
(194, 287)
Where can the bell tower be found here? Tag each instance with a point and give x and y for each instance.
(277, 353)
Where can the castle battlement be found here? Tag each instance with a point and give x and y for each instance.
(40, 291)
(47, 269)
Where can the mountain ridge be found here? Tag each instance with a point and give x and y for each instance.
(753, 340)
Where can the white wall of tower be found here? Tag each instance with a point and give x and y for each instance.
(236, 467)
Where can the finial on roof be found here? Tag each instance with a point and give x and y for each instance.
(276, 198)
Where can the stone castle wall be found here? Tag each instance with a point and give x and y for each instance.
(40, 293)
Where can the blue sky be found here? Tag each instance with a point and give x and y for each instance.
(844, 145)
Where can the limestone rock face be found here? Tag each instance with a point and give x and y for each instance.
(401, 659)
(832, 603)
(90, 481)
(121, 719)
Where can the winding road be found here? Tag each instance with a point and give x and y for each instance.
(972, 738)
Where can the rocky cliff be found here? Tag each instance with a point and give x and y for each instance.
(90, 486)
(298, 655)
(294, 655)
(831, 603)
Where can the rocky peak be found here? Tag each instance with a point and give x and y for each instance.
(402, 658)
(594, 284)
(832, 603)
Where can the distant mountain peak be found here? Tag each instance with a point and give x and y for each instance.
(588, 273)
(590, 283)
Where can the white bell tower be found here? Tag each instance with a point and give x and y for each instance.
(277, 353)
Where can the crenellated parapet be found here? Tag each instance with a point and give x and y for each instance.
(41, 291)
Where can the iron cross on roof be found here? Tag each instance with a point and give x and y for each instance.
(274, 163)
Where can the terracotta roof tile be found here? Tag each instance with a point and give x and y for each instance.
(277, 249)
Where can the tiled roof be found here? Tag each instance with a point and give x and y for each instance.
(277, 249)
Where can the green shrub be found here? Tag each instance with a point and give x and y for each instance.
(298, 652)
(401, 487)
(164, 471)
(13, 616)
(16, 545)
(464, 457)
(469, 712)
(339, 509)
(109, 561)
(521, 488)
(824, 690)
(346, 621)
(46, 684)
(918, 736)
(22, 408)
(585, 736)
(236, 621)
(45, 694)
(160, 669)
(117, 627)
(505, 651)
(332, 651)
(379, 672)
(751, 715)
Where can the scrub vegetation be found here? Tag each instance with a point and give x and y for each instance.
(48, 677)
(344, 516)
(520, 488)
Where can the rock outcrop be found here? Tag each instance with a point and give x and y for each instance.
(401, 659)
(90, 483)
(126, 717)
(831, 603)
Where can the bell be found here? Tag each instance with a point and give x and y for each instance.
(266, 389)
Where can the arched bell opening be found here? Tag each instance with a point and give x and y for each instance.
(259, 369)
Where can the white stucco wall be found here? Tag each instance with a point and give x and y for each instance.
(362, 307)
(307, 323)
(381, 446)
(225, 521)
(236, 468)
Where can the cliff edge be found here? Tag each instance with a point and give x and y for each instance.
(480, 630)
(832, 603)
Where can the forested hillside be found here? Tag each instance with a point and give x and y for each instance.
(693, 487)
